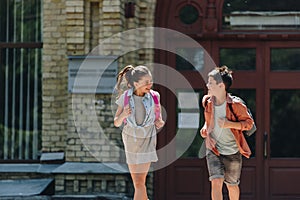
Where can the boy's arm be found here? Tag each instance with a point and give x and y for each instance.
(203, 131)
(245, 121)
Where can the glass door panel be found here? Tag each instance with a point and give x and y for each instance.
(186, 130)
(238, 58)
(284, 123)
(196, 55)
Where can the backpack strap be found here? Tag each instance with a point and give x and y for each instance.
(126, 98)
(231, 110)
(126, 102)
(230, 105)
(157, 104)
(155, 99)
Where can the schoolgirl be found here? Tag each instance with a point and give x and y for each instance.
(137, 109)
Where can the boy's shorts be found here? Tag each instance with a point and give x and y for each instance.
(225, 166)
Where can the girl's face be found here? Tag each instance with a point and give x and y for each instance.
(213, 87)
(144, 84)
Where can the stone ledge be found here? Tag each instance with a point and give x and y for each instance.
(66, 168)
(91, 168)
(53, 157)
(94, 197)
(28, 187)
(39, 197)
(28, 168)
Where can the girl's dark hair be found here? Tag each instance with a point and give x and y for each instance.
(131, 74)
(222, 74)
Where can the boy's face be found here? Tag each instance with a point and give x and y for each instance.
(214, 87)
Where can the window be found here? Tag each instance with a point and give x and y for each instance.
(285, 59)
(188, 14)
(238, 58)
(20, 89)
(261, 15)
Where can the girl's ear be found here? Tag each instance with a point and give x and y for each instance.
(135, 84)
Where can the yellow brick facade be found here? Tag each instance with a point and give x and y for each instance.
(75, 28)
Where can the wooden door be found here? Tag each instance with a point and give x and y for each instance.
(265, 76)
(281, 120)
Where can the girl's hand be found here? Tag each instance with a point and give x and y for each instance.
(159, 123)
(126, 111)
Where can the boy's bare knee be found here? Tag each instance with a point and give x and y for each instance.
(217, 182)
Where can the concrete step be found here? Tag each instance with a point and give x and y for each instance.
(91, 197)
(42, 197)
(26, 188)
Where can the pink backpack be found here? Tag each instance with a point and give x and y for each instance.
(155, 99)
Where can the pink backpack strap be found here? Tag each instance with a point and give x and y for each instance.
(157, 104)
(126, 102)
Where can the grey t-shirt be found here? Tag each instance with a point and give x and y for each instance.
(138, 102)
(226, 143)
(140, 115)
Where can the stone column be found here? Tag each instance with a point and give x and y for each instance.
(55, 76)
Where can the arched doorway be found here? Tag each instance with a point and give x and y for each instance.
(266, 66)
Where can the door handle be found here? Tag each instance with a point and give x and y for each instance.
(265, 145)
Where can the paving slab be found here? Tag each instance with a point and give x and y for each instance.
(24, 187)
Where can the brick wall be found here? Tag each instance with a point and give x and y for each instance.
(93, 184)
(75, 27)
(55, 76)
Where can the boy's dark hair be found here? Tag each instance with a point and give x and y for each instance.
(222, 74)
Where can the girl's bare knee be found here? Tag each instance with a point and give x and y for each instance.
(139, 181)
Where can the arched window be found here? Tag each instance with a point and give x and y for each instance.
(261, 15)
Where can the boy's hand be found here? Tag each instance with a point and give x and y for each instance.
(159, 123)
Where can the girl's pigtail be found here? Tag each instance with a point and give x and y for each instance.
(126, 72)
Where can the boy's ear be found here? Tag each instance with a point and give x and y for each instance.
(222, 85)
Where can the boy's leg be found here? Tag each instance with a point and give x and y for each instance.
(233, 166)
(216, 189)
(216, 175)
(234, 192)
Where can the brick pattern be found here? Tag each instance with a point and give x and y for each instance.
(75, 27)
(22, 175)
(93, 184)
(55, 76)
(92, 136)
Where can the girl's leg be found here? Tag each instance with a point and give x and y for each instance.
(138, 174)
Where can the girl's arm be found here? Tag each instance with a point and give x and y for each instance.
(121, 114)
(160, 122)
